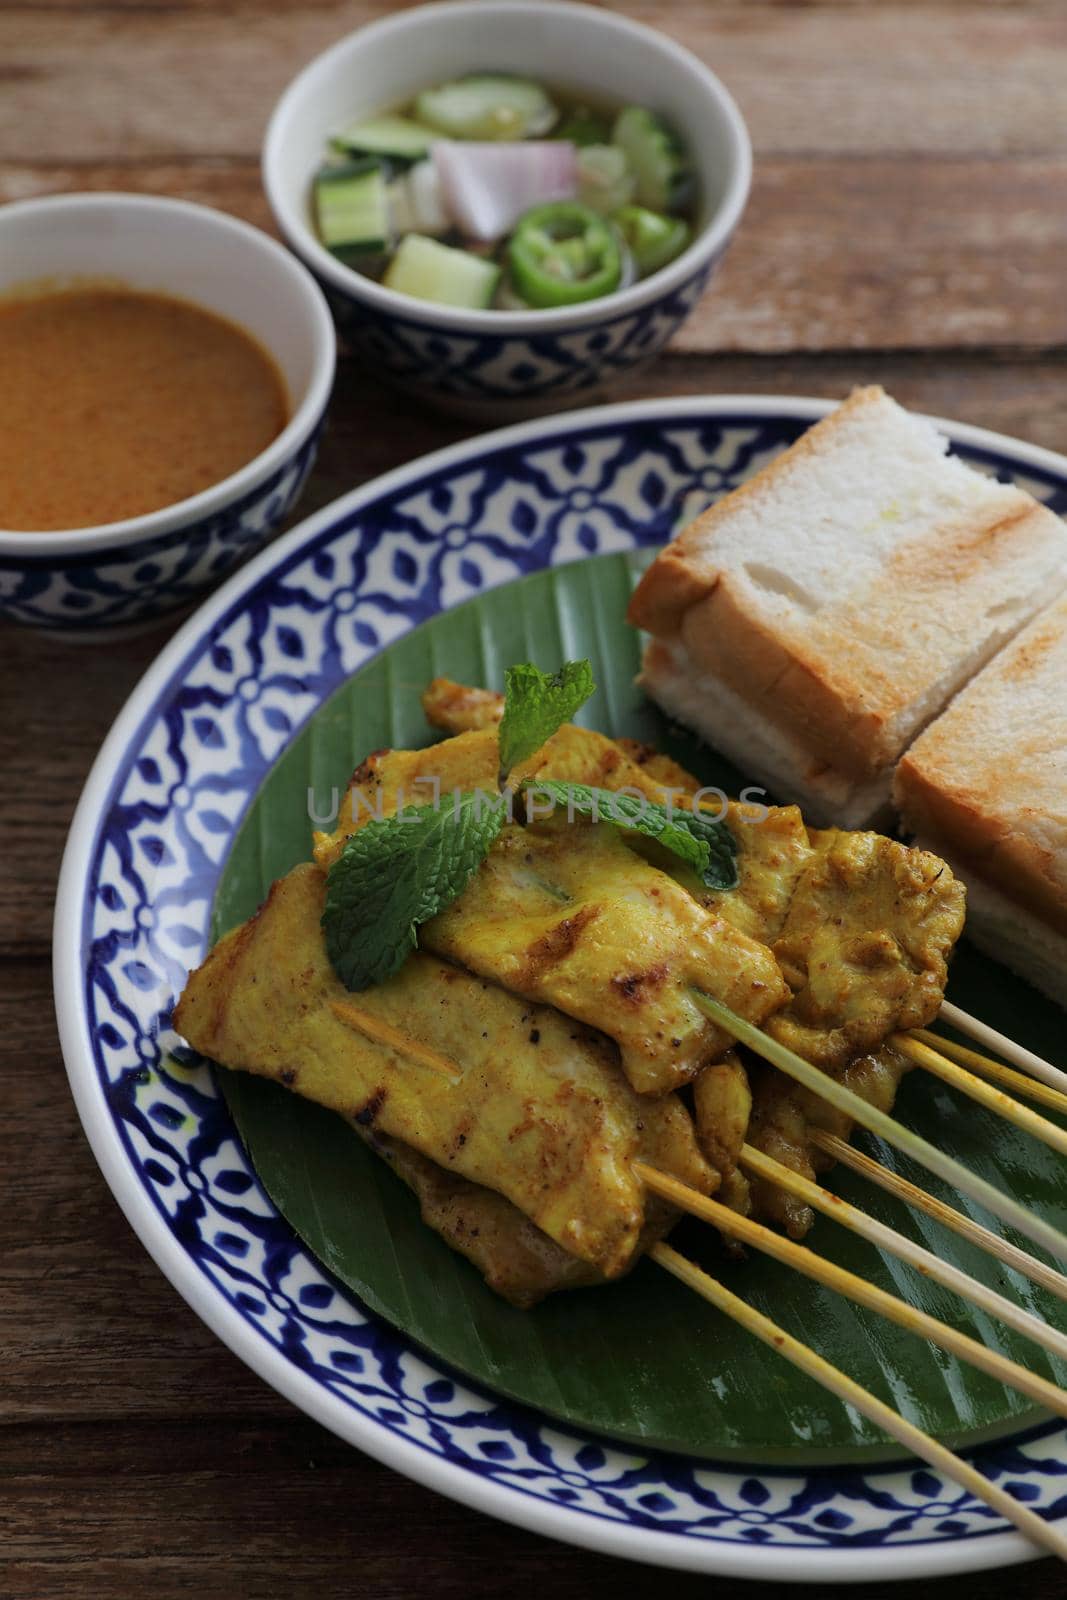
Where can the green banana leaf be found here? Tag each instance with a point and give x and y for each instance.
(643, 1360)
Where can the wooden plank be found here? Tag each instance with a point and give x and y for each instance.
(883, 254)
(89, 1326)
(228, 184)
(893, 254)
(810, 79)
(674, 20)
(259, 1510)
(68, 695)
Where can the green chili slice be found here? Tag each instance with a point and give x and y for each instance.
(563, 253)
(652, 238)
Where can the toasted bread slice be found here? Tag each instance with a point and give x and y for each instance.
(814, 621)
(986, 786)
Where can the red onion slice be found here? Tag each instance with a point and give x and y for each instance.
(487, 187)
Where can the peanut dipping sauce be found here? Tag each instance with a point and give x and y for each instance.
(115, 402)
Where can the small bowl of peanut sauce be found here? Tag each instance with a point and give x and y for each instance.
(166, 373)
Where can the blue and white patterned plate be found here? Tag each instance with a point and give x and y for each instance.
(160, 810)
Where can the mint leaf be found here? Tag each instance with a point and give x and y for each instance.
(536, 704)
(707, 845)
(398, 872)
(721, 871)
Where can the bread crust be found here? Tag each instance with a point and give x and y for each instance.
(761, 750)
(857, 677)
(990, 775)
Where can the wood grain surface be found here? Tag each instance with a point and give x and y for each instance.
(908, 226)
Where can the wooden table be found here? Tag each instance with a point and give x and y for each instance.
(908, 226)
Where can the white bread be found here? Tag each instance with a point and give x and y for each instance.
(764, 754)
(1008, 933)
(988, 782)
(814, 621)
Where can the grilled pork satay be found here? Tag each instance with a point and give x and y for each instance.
(568, 914)
(784, 1111)
(773, 844)
(862, 928)
(864, 945)
(517, 1260)
(536, 1108)
(861, 925)
(722, 1107)
(457, 708)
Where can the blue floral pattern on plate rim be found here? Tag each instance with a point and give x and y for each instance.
(501, 367)
(164, 801)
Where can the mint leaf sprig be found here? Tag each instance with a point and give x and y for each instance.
(704, 843)
(536, 705)
(397, 872)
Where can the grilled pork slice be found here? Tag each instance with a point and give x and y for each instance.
(566, 913)
(517, 1260)
(458, 708)
(986, 785)
(811, 623)
(864, 945)
(722, 1107)
(784, 1112)
(537, 1110)
(862, 928)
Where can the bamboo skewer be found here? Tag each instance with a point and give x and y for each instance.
(893, 1132)
(923, 1260)
(1001, 1045)
(853, 1287)
(1041, 1533)
(986, 1067)
(1038, 1272)
(382, 1032)
(837, 1278)
(986, 1094)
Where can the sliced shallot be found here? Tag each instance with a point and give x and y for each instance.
(487, 187)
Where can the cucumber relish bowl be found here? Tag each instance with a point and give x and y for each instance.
(492, 364)
(81, 582)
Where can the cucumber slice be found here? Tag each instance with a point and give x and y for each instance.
(605, 181)
(431, 271)
(352, 208)
(398, 137)
(656, 156)
(487, 106)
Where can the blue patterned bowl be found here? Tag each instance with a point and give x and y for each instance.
(89, 579)
(497, 363)
(160, 811)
